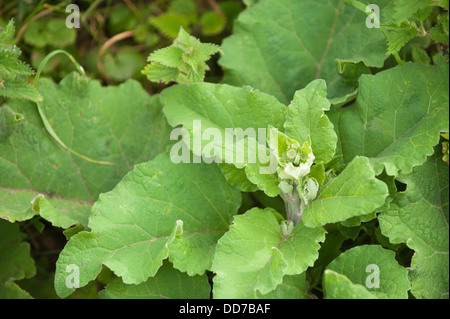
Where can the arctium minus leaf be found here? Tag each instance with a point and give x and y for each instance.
(183, 62)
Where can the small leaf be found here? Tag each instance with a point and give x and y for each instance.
(93, 120)
(440, 32)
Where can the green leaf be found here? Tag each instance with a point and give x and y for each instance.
(169, 56)
(369, 269)
(124, 64)
(440, 32)
(399, 35)
(306, 117)
(258, 267)
(420, 56)
(400, 10)
(169, 24)
(227, 110)
(184, 61)
(18, 88)
(159, 210)
(9, 121)
(292, 287)
(7, 34)
(13, 72)
(237, 177)
(168, 283)
(212, 23)
(15, 261)
(274, 48)
(92, 120)
(187, 8)
(397, 117)
(49, 32)
(355, 192)
(419, 217)
(338, 286)
(249, 3)
(157, 72)
(10, 64)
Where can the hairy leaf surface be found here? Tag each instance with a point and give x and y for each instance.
(355, 192)
(103, 123)
(371, 267)
(158, 210)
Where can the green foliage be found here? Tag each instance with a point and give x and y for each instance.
(15, 261)
(51, 32)
(404, 20)
(9, 121)
(419, 217)
(13, 72)
(34, 166)
(161, 286)
(259, 266)
(312, 163)
(184, 61)
(271, 37)
(152, 220)
(354, 267)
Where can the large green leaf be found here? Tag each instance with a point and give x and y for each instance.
(15, 261)
(253, 256)
(397, 117)
(355, 192)
(292, 287)
(225, 109)
(102, 123)
(168, 283)
(369, 269)
(159, 210)
(306, 117)
(279, 46)
(419, 217)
